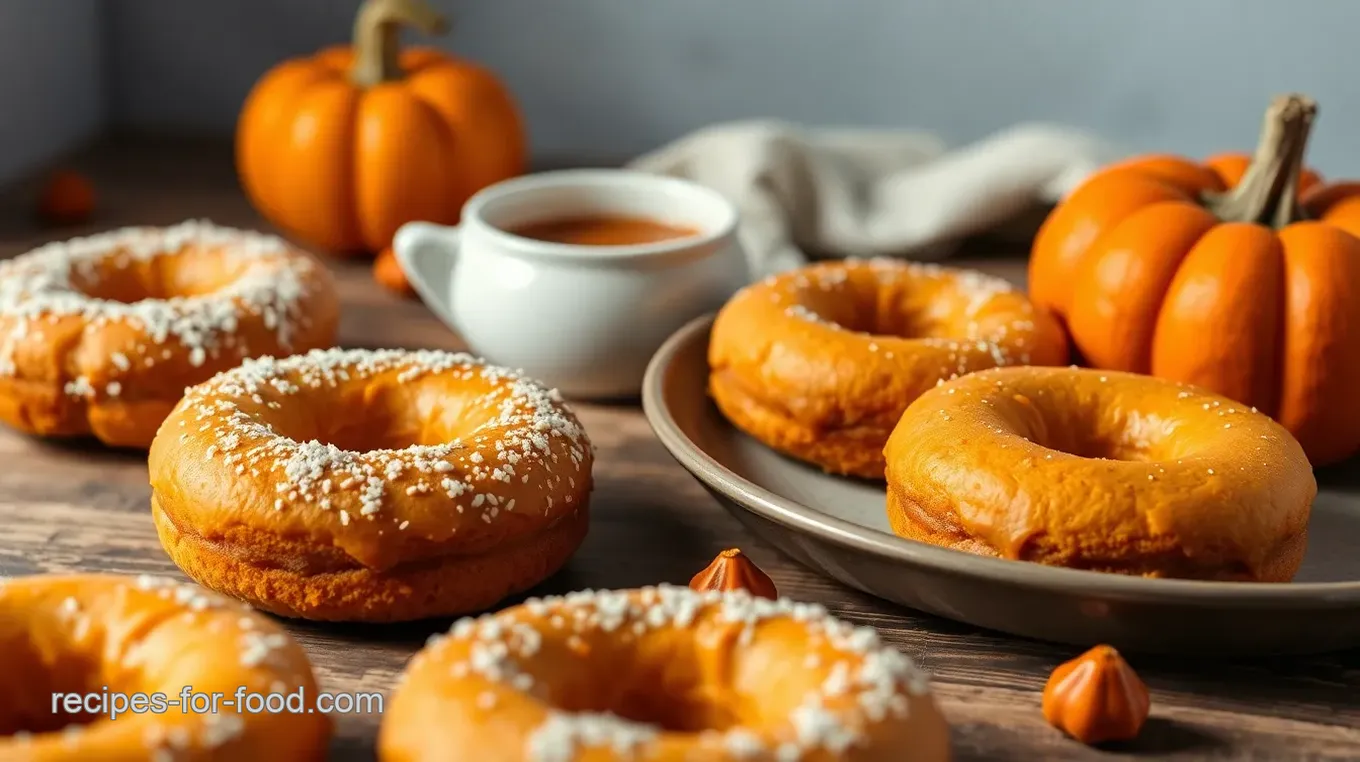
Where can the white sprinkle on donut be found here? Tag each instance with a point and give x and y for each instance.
(558, 739)
(184, 594)
(49, 284)
(500, 644)
(525, 415)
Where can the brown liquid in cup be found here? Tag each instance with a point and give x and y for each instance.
(602, 231)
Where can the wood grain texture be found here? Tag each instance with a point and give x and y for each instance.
(75, 506)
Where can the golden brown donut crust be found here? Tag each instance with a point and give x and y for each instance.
(371, 485)
(663, 674)
(100, 335)
(129, 635)
(819, 363)
(1104, 471)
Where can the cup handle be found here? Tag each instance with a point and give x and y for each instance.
(428, 254)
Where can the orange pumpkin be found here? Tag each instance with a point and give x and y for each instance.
(68, 198)
(388, 273)
(342, 148)
(1218, 274)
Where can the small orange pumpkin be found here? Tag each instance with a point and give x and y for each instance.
(388, 273)
(1219, 275)
(68, 198)
(1097, 697)
(732, 570)
(342, 148)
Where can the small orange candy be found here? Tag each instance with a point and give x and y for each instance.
(1097, 697)
(387, 271)
(732, 570)
(67, 198)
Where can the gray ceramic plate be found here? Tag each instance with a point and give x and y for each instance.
(838, 526)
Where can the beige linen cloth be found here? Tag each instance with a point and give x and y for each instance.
(853, 192)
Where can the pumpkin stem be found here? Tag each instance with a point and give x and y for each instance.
(1268, 192)
(377, 29)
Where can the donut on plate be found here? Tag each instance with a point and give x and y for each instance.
(67, 637)
(100, 335)
(370, 485)
(663, 674)
(1099, 470)
(819, 363)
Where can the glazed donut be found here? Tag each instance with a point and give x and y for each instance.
(370, 485)
(820, 362)
(100, 335)
(122, 636)
(663, 674)
(1098, 470)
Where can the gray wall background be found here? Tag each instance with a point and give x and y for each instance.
(605, 79)
(52, 87)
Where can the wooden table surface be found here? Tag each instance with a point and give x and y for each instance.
(66, 507)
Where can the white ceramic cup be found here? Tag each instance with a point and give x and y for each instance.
(585, 319)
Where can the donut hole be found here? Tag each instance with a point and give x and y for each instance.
(36, 670)
(920, 308)
(1088, 428)
(678, 710)
(687, 684)
(674, 706)
(669, 694)
(1095, 447)
(129, 280)
(391, 416)
(388, 432)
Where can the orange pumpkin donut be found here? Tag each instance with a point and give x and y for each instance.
(370, 485)
(100, 335)
(820, 362)
(119, 636)
(663, 674)
(1100, 470)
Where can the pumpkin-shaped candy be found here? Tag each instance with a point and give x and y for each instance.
(342, 148)
(733, 570)
(1096, 697)
(1218, 275)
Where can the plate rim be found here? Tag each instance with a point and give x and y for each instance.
(847, 535)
